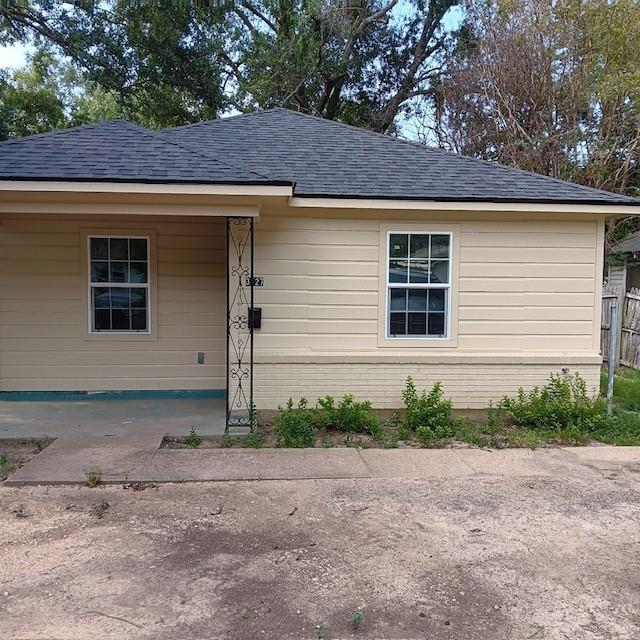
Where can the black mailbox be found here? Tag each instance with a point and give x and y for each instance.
(255, 317)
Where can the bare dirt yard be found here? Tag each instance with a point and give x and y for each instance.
(483, 558)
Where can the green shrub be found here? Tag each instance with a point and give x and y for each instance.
(562, 404)
(294, 426)
(428, 414)
(348, 415)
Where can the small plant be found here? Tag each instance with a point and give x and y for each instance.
(348, 415)
(294, 426)
(318, 627)
(193, 440)
(5, 466)
(100, 508)
(254, 439)
(227, 441)
(562, 404)
(428, 414)
(356, 619)
(93, 478)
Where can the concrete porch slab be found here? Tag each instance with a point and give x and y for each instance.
(151, 418)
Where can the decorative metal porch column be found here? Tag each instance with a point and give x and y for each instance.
(240, 284)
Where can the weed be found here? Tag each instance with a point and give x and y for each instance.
(100, 508)
(563, 403)
(254, 439)
(93, 478)
(318, 627)
(356, 619)
(227, 441)
(428, 414)
(5, 466)
(294, 426)
(348, 415)
(193, 440)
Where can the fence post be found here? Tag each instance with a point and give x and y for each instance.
(613, 354)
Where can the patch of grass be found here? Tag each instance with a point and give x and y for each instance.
(626, 389)
(93, 479)
(193, 440)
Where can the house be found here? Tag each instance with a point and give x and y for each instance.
(277, 254)
(623, 274)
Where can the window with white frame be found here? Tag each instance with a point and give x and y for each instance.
(118, 284)
(418, 285)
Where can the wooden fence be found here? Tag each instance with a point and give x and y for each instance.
(629, 327)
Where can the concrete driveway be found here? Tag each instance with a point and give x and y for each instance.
(491, 553)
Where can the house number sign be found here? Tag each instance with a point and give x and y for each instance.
(258, 281)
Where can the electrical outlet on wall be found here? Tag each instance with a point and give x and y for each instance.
(200, 357)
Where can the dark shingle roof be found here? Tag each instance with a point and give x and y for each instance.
(281, 147)
(628, 245)
(114, 151)
(326, 158)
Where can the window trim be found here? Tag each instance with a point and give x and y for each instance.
(130, 285)
(418, 285)
(423, 228)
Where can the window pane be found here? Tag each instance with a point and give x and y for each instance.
(398, 271)
(417, 324)
(417, 300)
(439, 246)
(397, 324)
(119, 272)
(137, 249)
(398, 245)
(101, 298)
(419, 271)
(138, 298)
(99, 248)
(436, 299)
(398, 299)
(119, 298)
(419, 246)
(99, 271)
(137, 272)
(436, 324)
(440, 271)
(102, 320)
(120, 319)
(119, 248)
(139, 319)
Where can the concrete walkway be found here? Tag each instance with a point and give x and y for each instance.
(93, 417)
(122, 458)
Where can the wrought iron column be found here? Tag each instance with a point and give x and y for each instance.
(240, 285)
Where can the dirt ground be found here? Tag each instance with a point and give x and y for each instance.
(485, 558)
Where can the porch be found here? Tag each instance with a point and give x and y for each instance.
(140, 418)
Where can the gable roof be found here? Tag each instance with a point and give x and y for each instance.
(114, 151)
(316, 157)
(330, 159)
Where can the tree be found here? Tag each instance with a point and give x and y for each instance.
(363, 61)
(48, 94)
(549, 86)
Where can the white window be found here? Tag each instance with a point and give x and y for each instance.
(418, 285)
(118, 284)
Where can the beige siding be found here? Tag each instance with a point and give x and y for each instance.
(525, 294)
(525, 297)
(523, 285)
(44, 342)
